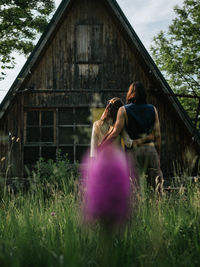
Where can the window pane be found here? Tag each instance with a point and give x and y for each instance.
(96, 43)
(33, 117)
(82, 42)
(48, 153)
(82, 115)
(47, 134)
(66, 135)
(88, 43)
(82, 135)
(69, 151)
(33, 134)
(65, 116)
(80, 152)
(47, 117)
(31, 155)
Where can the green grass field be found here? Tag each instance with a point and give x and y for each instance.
(43, 226)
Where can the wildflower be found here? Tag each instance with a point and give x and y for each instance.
(181, 190)
(2, 159)
(17, 140)
(107, 187)
(13, 138)
(53, 213)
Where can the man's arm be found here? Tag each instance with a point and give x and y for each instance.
(156, 131)
(118, 127)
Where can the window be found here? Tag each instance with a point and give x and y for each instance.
(40, 126)
(46, 132)
(88, 43)
(40, 137)
(74, 132)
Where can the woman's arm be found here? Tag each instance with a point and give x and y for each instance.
(131, 143)
(143, 140)
(94, 140)
(126, 138)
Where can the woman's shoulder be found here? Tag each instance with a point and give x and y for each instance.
(97, 123)
(97, 126)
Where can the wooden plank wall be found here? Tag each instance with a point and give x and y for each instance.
(11, 148)
(112, 66)
(110, 63)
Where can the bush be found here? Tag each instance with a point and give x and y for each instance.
(50, 175)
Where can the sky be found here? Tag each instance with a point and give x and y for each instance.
(147, 17)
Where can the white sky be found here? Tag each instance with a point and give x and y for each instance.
(147, 17)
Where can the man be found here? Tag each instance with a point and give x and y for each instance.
(140, 120)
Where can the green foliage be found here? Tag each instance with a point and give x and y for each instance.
(161, 232)
(177, 52)
(20, 23)
(51, 176)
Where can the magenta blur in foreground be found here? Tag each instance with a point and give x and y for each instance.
(107, 187)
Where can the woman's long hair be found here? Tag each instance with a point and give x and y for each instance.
(111, 109)
(136, 93)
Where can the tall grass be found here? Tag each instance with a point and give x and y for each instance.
(43, 226)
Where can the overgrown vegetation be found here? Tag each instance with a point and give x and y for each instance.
(43, 226)
(176, 52)
(21, 22)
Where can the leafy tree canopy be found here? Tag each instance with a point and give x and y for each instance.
(177, 53)
(20, 23)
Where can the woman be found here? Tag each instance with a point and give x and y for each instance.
(104, 126)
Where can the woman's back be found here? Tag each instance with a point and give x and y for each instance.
(99, 131)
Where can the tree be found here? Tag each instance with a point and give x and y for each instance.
(177, 53)
(21, 21)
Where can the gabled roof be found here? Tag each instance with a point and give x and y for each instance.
(119, 15)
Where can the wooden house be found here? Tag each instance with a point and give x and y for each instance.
(88, 54)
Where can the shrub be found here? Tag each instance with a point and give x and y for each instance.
(50, 175)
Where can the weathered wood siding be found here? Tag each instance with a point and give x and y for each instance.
(88, 54)
(11, 145)
(87, 51)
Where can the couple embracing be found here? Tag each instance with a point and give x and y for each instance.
(137, 123)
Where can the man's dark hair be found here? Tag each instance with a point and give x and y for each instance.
(136, 93)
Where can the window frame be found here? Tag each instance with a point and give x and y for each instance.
(56, 142)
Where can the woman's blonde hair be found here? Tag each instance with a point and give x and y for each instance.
(112, 108)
